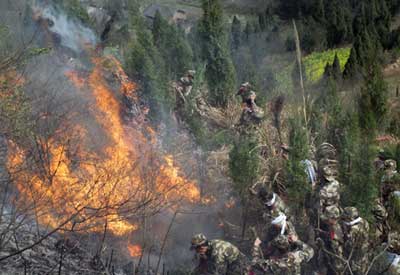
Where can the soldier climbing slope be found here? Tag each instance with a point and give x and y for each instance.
(185, 83)
(289, 254)
(217, 257)
(251, 112)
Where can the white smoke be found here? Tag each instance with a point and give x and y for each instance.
(73, 34)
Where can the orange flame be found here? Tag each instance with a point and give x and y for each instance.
(113, 180)
(135, 250)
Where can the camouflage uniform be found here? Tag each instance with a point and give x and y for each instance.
(328, 191)
(284, 228)
(288, 261)
(356, 236)
(273, 206)
(381, 223)
(185, 83)
(251, 112)
(222, 258)
(391, 193)
(332, 236)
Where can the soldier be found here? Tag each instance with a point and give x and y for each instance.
(279, 226)
(329, 191)
(289, 254)
(381, 221)
(331, 235)
(356, 238)
(185, 84)
(390, 180)
(217, 257)
(273, 206)
(272, 202)
(248, 95)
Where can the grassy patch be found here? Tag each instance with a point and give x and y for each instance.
(315, 63)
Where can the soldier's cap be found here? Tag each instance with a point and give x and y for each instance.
(281, 242)
(245, 85)
(331, 212)
(350, 214)
(191, 73)
(326, 150)
(390, 164)
(198, 240)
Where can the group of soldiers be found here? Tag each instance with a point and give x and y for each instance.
(342, 241)
(251, 112)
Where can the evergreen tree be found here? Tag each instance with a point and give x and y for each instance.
(248, 31)
(244, 164)
(262, 21)
(319, 14)
(157, 30)
(173, 47)
(336, 70)
(373, 104)
(220, 72)
(297, 185)
(236, 33)
(328, 70)
(351, 68)
(145, 64)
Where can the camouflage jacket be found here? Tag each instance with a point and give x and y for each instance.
(329, 194)
(222, 257)
(390, 183)
(278, 207)
(289, 263)
(356, 239)
(273, 232)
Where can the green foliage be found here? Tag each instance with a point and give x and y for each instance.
(297, 185)
(74, 9)
(244, 164)
(362, 188)
(315, 63)
(373, 104)
(327, 114)
(145, 64)
(14, 112)
(351, 68)
(220, 72)
(236, 33)
(336, 68)
(173, 47)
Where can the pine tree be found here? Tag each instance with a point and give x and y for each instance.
(336, 70)
(351, 69)
(262, 21)
(220, 72)
(236, 33)
(372, 103)
(297, 185)
(244, 164)
(157, 30)
(145, 64)
(328, 70)
(319, 14)
(248, 31)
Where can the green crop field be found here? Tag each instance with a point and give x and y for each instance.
(315, 63)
